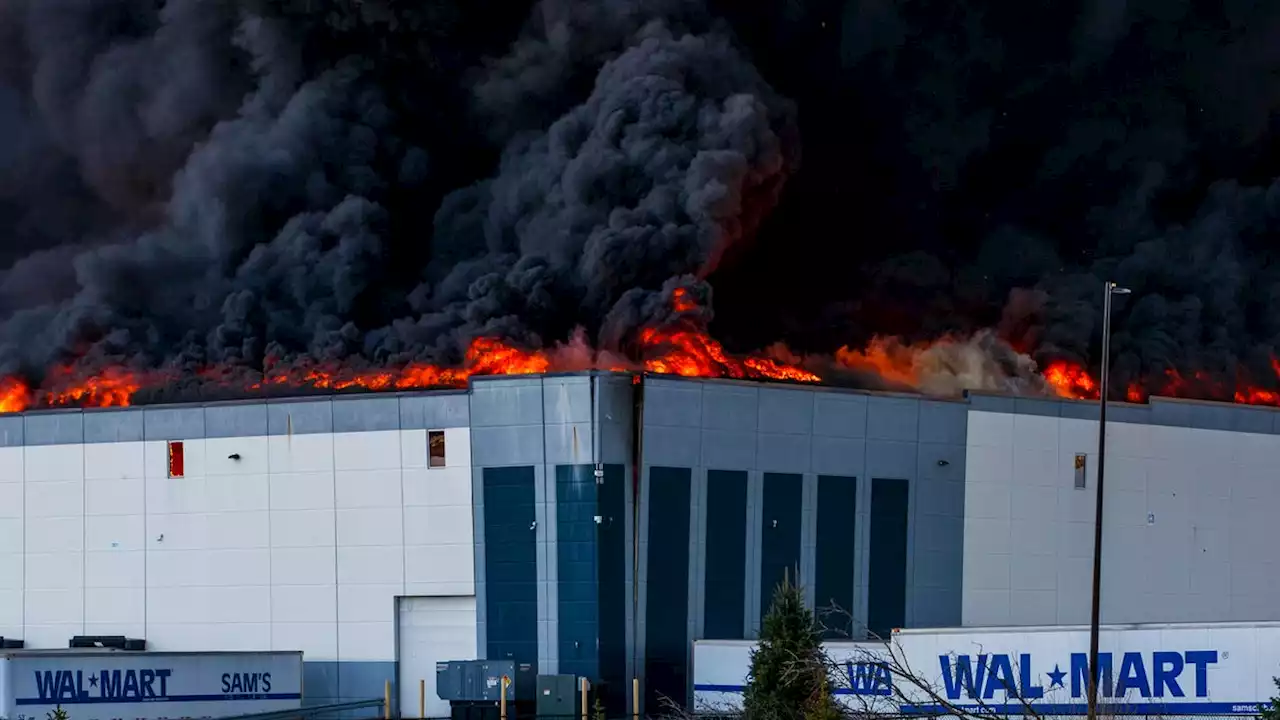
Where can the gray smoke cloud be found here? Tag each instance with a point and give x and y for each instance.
(190, 183)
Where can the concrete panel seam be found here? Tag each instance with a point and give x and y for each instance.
(809, 536)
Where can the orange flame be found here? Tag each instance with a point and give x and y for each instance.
(693, 354)
(15, 396)
(681, 302)
(679, 353)
(684, 351)
(1071, 380)
(112, 388)
(888, 358)
(485, 356)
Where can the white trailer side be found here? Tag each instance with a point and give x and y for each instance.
(94, 684)
(1147, 669)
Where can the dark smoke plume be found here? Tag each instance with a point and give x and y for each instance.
(203, 183)
(186, 183)
(986, 164)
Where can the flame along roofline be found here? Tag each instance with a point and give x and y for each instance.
(971, 395)
(302, 395)
(1157, 411)
(978, 399)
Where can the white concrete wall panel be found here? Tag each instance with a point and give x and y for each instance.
(432, 630)
(1185, 531)
(12, 542)
(302, 542)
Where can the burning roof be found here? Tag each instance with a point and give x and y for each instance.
(945, 367)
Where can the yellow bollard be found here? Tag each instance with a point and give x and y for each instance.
(386, 701)
(422, 698)
(635, 698)
(502, 700)
(585, 686)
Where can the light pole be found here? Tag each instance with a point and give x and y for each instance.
(1110, 289)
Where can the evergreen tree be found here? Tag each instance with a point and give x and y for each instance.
(788, 677)
(1271, 711)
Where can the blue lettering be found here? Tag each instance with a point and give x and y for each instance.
(109, 683)
(1166, 667)
(66, 685)
(1157, 674)
(130, 689)
(253, 683)
(72, 686)
(1202, 659)
(1133, 674)
(994, 673)
(1080, 674)
(864, 679)
(964, 678)
(999, 677)
(47, 683)
(1028, 691)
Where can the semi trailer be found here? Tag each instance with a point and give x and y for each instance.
(1145, 669)
(108, 684)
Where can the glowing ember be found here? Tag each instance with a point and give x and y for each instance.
(492, 357)
(112, 388)
(1134, 394)
(943, 366)
(889, 358)
(15, 396)
(681, 302)
(485, 356)
(1071, 380)
(694, 354)
(678, 353)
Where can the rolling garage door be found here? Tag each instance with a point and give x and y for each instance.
(431, 629)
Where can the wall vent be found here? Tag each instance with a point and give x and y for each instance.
(435, 448)
(177, 459)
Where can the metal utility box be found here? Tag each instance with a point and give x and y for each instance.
(557, 695)
(474, 688)
(481, 680)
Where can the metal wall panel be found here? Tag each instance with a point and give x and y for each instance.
(299, 417)
(54, 428)
(435, 412)
(366, 414)
(758, 429)
(239, 420)
(12, 431)
(182, 423)
(113, 426)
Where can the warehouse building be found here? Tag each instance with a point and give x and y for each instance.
(595, 524)
(1191, 488)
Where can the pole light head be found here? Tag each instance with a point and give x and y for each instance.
(1117, 290)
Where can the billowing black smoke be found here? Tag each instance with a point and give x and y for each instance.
(989, 164)
(188, 183)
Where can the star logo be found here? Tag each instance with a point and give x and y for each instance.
(93, 681)
(1055, 677)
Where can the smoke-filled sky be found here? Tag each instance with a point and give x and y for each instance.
(190, 182)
